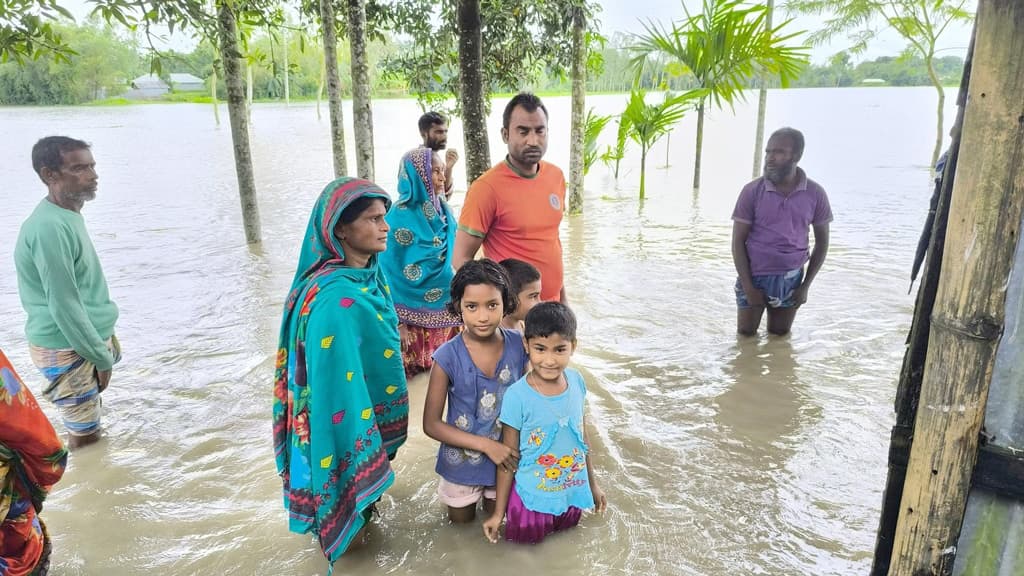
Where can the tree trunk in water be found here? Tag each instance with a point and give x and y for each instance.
(968, 319)
(248, 90)
(668, 146)
(699, 146)
(362, 109)
(228, 32)
(473, 95)
(762, 101)
(287, 86)
(333, 87)
(643, 170)
(213, 94)
(939, 135)
(579, 88)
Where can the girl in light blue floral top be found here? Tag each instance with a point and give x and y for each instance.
(542, 418)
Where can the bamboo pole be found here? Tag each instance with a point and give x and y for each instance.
(985, 217)
(909, 390)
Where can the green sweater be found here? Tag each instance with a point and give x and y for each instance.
(62, 287)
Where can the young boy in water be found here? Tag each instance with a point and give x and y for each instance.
(526, 285)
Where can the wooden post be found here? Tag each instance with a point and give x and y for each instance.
(984, 225)
(908, 392)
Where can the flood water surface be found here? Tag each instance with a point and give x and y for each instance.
(719, 456)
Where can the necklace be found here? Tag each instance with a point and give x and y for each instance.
(563, 419)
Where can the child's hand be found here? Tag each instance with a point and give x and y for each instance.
(600, 500)
(491, 526)
(504, 456)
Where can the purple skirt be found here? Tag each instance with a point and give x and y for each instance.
(525, 526)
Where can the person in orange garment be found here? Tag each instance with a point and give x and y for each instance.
(514, 209)
(32, 459)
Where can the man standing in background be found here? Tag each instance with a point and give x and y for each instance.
(434, 130)
(70, 325)
(769, 237)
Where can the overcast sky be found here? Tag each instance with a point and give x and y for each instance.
(628, 15)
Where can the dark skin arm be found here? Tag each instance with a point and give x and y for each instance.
(435, 427)
(503, 487)
(600, 500)
(817, 259)
(740, 231)
(466, 247)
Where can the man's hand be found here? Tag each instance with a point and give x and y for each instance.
(451, 156)
(800, 294)
(103, 378)
(755, 297)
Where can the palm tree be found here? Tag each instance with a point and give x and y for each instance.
(593, 125)
(615, 155)
(649, 122)
(723, 47)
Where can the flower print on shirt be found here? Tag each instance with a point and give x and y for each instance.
(453, 455)
(505, 375)
(488, 405)
(560, 473)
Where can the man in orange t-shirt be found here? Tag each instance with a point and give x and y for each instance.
(515, 208)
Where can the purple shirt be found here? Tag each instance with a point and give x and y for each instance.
(778, 240)
(474, 402)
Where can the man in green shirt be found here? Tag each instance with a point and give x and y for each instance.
(70, 325)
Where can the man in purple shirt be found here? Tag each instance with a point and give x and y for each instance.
(769, 237)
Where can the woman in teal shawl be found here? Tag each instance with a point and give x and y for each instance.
(418, 260)
(340, 403)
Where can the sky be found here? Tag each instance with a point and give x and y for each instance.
(628, 16)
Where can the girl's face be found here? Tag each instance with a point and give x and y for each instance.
(549, 356)
(482, 309)
(437, 167)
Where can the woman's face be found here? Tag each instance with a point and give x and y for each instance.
(367, 234)
(437, 172)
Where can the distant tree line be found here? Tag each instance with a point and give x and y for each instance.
(894, 71)
(106, 60)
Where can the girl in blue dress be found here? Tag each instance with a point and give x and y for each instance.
(470, 375)
(542, 418)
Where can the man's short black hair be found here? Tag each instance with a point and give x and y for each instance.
(431, 119)
(549, 318)
(48, 152)
(528, 101)
(795, 136)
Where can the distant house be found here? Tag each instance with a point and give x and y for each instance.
(187, 83)
(873, 82)
(148, 86)
(152, 86)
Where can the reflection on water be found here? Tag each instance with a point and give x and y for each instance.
(759, 410)
(719, 457)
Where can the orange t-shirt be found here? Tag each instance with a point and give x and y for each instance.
(518, 217)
